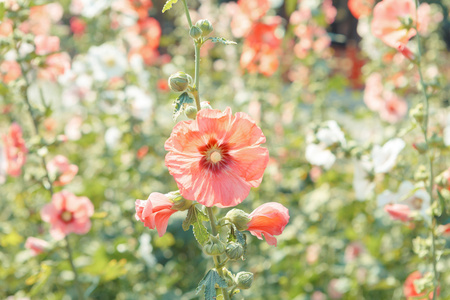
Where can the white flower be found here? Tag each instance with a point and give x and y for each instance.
(92, 8)
(416, 198)
(106, 61)
(141, 103)
(3, 165)
(331, 134)
(362, 186)
(384, 158)
(112, 137)
(318, 155)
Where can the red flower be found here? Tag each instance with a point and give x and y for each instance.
(269, 219)
(216, 159)
(155, 212)
(410, 290)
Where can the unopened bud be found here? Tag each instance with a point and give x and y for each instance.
(418, 113)
(205, 105)
(179, 81)
(191, 112)
(195, 32)
(239, 218)
(205, 26)
(244, 280)
(234, 251)
(214, 246)
(421, 147)
(182, 204)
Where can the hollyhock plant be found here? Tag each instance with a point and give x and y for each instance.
(68, 213)
(216, 159)
(410, 290)
(155, 212)
(393, 21)
(268, 219)
(36, 246)
(61, 170)
(15, 150)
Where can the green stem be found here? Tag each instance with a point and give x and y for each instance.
(74, 270)
(428, 155)
(197, 75)
(217, 262)
(188, 16)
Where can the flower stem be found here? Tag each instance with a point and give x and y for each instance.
(197, 75)
(428, 155)
(75, 273)
(188, 16)
(217, 261)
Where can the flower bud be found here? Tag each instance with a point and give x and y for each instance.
(191, 112)
(182, 205)
(418, 113)
(421, 147)
(195, 32)
(205, 105)
(205, 26)
(244, 280)
(238, 218)
(234, 251)
(214, 246)
(179, 81)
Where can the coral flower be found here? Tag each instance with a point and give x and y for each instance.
(60, 169)
(268, 219)
(410, 290)
(360, 8)
(155, 212)
(36, 246)
(46, 44)
(216, 159)
(68, 213)
(390, 18)
(400, 212)
(15, 150)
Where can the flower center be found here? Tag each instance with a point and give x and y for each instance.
(215, 156)
(66, 216)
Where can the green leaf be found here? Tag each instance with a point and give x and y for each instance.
(190, 218)
(209, 282)
(180, 103)
(221, 40)
(168, 5)
(200, 232)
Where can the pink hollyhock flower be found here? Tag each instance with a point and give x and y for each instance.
(155, 212)
(394, 108)
(353, 251)
(400, 212)
(60, 169)
(269, 219)
(55, 65)
(254, 9)
(405, 51)
(360, 8)
(46, 44)
(9, 71)
(37, 246)
(329, 11)
(409, 290)
(68, 213)
(372, 92)
(390, 17)
(15, 150)
(216, 159)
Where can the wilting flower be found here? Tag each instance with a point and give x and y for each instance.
(216, 159)
(61, 170)
(155, 212)
(385, 157)
(36, 246)
(268, 219)
(410, 290)
(15, 150)
(393, 20)
(68, 213)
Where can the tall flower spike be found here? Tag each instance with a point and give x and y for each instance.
(216, 159)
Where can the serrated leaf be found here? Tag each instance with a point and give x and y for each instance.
(168, 5)
(180, 103)
(190, 218)
(200, 232)
(221, 40)
(209, 282)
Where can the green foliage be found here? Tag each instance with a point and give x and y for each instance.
(209, 283)
(196, 217)
(221, 40)
(168, 5)
(180, 104)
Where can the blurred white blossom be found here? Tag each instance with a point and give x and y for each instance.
(385, 157)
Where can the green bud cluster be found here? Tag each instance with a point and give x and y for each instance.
(214, 246)
(179, 82)
(234, 251)
(239, 218)
(205, 27)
